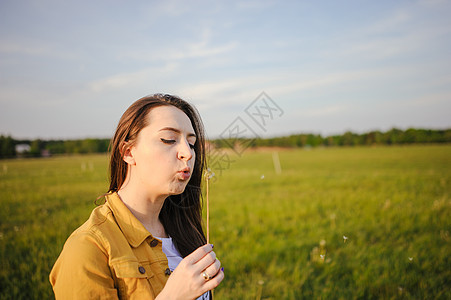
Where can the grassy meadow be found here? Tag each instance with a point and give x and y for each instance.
(337, 223)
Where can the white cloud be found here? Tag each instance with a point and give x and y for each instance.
(33, 47)
(409, 29)
(202, 47)
(442, 100)
(391, 23)
(434, 3)
(221, 93)
(324, 111)
(131, 79)
(199, 50)
(254, 5)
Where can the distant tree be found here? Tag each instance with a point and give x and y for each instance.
(447, 136)
(7, 147)
(55, 146)
(88, 146)
(314, 140)
(103, 145)
(36, 147)
(349, 139)
(393, 136)
(71, 146)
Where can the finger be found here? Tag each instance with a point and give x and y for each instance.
(205, 262)
(214, 268)
(214, 282)
(199, 253)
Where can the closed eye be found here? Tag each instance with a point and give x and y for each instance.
(168, 141)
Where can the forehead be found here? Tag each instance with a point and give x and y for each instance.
(169, 116)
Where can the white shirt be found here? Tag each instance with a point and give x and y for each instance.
(174, 258)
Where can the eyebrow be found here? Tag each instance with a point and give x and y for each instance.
(177, 131)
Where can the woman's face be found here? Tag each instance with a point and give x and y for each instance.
(163, 154)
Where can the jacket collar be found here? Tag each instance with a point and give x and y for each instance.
(133, 230)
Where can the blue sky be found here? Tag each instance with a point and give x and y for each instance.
(68, 69)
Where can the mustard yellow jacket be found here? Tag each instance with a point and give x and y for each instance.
(111, 256)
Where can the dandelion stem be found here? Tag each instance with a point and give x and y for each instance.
(208, 212)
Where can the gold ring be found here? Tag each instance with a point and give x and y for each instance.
(206, 276)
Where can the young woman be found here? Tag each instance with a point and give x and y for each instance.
(146, 241)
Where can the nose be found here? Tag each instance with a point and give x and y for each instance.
(185, 152)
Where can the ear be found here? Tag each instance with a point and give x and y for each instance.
(127, 154)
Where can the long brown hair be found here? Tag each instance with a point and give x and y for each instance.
(180, 214)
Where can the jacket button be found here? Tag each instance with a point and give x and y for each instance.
(167, 271)
(153, 243)
(142, 270)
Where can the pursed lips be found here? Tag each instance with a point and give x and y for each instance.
(185, 173)
(185, 170)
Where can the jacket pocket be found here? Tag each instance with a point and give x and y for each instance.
(133, 280)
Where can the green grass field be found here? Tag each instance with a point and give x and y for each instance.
(277, 236)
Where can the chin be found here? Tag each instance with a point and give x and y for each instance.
(177, 187)
(177, 190)
(176, 193)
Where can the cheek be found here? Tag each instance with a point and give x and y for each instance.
(155, 159)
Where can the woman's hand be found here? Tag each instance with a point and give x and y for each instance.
(196, 274)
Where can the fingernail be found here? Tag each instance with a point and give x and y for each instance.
(222, 269)
(212, 246)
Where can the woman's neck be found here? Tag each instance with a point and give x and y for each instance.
(146, 208)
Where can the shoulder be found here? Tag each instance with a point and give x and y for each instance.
(85, 256)
(88, 241)
(96, 221)
(91, 231)
(100, 236)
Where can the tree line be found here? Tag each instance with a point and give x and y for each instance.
(10, 147)
(392, 137)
